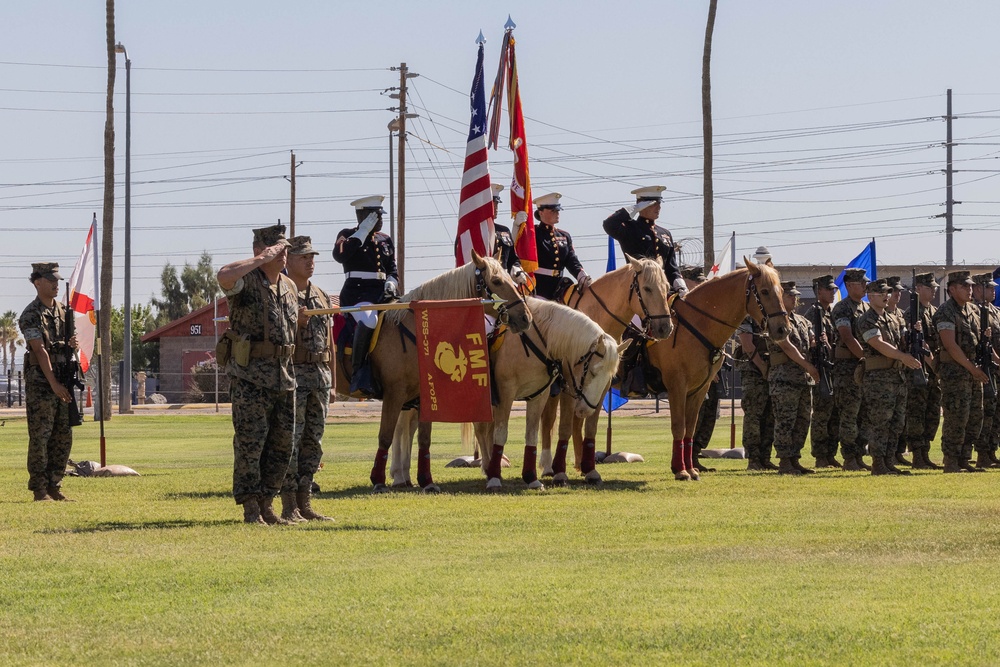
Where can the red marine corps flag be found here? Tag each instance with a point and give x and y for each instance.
(475, 208)
(453, 360)
(520, 187)
(83, 297)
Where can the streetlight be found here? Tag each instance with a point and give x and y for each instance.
(125, 387)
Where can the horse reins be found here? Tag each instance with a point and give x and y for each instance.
(633, 289)
(554, 366)
(483, 288)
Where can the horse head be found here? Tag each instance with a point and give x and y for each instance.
(494, 283)
(765, 306)
(592, 373)
(650, 289)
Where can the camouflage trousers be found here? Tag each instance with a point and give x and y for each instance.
(758, 418)
(884, 395)
(847, 397)
(311, 406)
(962, 403)
(264, 424)
(923, 413)
(49, 437)
(985, 441)
(707, 417)
(824, 426)
(792, 404)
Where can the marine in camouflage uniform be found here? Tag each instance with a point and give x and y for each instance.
(313, 364)
(824, 425)
(923, 402)
(892, 309)
(788, 381)
(957, 323)
(758, 417)
(263, 310)
(846, 355)
(883, 389)
(985, 445)
(43, 325)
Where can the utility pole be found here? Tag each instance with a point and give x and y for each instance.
(404, 74)
(291, 212)
(949, 223)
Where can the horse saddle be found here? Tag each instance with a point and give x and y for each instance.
(565, 289)
(636, 376)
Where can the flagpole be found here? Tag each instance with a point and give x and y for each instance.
(732, 370)
(97, 347)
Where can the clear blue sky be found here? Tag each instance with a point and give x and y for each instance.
(828, 123)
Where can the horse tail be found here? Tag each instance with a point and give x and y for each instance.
(469, 443)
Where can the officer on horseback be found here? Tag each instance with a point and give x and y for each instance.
(503, 248)
(369, 260)
(555, 250)
(636, 230)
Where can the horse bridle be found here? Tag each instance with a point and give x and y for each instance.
(483, 288)
(555, 366)
(765, 316)
(578, 388)
(633, 289)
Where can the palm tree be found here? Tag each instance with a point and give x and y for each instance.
(706, 121)
(108, 219)
(8, 339)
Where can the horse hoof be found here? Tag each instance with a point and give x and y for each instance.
(547, 473)
(536, 486)
(431, 488)
(402, 485)
(682, 476)
(494, 484)
(594, 478)
(380, 488)
(560, 479)
(693, 474)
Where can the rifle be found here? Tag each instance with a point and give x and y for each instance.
(916, 337)
(67, 372)
(984, 354)
(821, 356)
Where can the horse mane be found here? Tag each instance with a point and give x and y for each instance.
(457, 283)
(568, 333)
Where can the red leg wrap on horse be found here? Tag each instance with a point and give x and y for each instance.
(528, 472)
(589, 462)
(424, 467)
(378, 470)
(559, 461)
(677, 459)
(495, 458)
(689, 453)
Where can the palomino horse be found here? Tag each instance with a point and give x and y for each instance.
(560, 343)
(639, 289)
(706, 318)
(394, 358)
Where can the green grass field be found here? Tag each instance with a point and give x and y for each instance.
(740, 568)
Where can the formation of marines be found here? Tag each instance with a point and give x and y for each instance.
(282, 362)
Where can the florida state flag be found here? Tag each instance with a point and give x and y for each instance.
(454, 361)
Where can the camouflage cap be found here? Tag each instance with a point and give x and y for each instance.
(925, 279)
(963, 277)
(984, 279)
(695, 273)
(824, 282)
(269, 236)
(789, 287)
(301, 245)
(48, 270)
(855, 276)
(895, 282)
(880, 286)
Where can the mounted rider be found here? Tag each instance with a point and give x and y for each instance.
(555, 250)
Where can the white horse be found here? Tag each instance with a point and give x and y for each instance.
(561, 343)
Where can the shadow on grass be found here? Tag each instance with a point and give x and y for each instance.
(198, 495)
(165, 524)
(477, 487)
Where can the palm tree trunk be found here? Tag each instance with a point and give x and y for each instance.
(108, 219)
(706, 122)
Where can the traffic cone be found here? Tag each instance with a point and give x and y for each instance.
(90, 400)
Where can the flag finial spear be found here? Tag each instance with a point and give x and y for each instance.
(509, 25)
(480, 39)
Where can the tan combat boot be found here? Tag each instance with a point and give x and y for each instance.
(983, 460)
(40, 495)
(267, 512)
(786, 466)
(289, 509)
(306, 510)
(879, 467)
(754, 465)
(822, 462)
(890, 464)
(801, 468)
(251, 511)
(901, 460)
(966, 464)
(951, 464)
(55, 493)
(851, 463)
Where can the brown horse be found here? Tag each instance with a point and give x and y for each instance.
(705, 319)
(394, 357)
(636, 290)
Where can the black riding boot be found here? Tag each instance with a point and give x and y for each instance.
(361, 369)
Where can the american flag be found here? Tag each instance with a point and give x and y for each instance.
(475, 209)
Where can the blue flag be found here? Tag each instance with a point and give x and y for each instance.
(996, 291)
(612, 400)
(866, 261)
